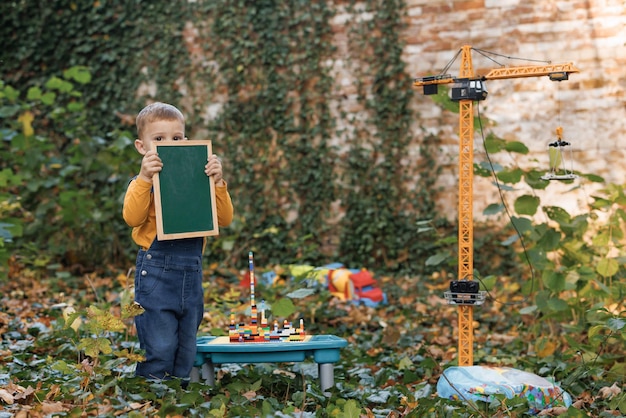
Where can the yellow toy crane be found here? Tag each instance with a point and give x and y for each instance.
(466, 89)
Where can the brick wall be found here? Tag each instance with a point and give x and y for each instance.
(591, 106)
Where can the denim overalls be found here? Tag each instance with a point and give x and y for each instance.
(168, 285)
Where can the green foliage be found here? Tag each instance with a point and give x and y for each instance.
(266, 67)
(276, 126)
(83, 361)
(381, 212)
(61, 182)
(122, 44)
(73, 68)
(577, 279)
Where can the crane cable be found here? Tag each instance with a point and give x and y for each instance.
(508, 213)
(506, 208)
(449, 64)
(484, 54)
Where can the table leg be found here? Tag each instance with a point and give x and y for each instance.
(327, 375)
(208, 373)
(194, 376)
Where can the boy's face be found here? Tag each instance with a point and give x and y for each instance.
(160, 130)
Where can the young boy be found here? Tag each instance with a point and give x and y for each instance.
(168, 275)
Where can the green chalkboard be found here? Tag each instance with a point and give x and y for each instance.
(184, 196)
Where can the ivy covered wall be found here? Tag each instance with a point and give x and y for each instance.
(312, 182)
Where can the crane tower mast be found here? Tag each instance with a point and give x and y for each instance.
(468, 88)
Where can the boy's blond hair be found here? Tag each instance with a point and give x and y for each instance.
(157, 111)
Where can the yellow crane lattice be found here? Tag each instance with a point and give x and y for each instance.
(468, 88)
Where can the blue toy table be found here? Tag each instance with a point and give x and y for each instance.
(324, 349)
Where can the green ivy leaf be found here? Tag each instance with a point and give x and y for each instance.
(550, 240)
(75, 106)
(515, 146)
(601, 239)
(553, 280)
(351, 409)
(571, 279)
(594, 178)
(94, 346)
(405, 363)
(557, 305)
(533, 178)
(510, 240)
(55, 83)
(607, 267)
(104, 320)
(488, 282)
(63, 367)
(601, 203)
(493, 144)
(283, 308)
(493, 209)
(512, 176)
(522, 224)
(526, 205)
(221, 411)
(78, 73)
(616, 324)
(595, 330)
(11, 94)
(505, 187)
(34, 93)
(256, 385)
(484, 169)
(48, 98)
(528, 310)
(6, 112)
(435, 260)
(541, 299)
(558, 214)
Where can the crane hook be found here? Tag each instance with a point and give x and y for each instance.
(556, 159)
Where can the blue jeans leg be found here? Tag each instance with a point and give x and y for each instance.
(193, 312)
(169, 288)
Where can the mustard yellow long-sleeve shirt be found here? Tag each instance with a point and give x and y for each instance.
(139, 212)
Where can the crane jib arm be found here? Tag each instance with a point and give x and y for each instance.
(556, 72)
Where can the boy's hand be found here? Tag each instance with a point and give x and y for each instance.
(150, 165)
(213, 168)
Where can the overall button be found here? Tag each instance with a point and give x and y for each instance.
(144, 273)
(149, 256)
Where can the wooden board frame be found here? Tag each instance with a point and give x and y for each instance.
(184, 196)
